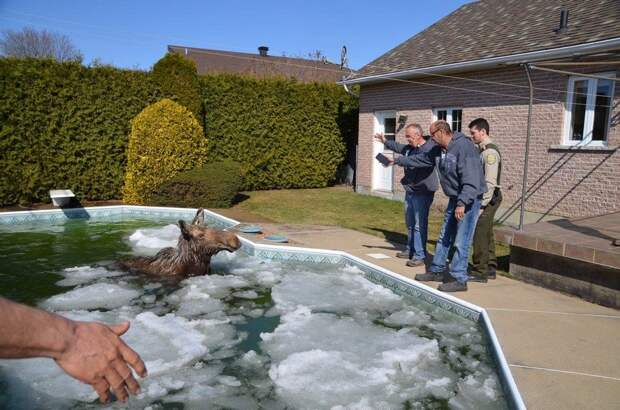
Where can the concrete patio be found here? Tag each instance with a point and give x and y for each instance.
(562, 350)
(579, 256)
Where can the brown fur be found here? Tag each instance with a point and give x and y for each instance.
(192, 255)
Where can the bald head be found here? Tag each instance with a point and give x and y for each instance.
(441, 133)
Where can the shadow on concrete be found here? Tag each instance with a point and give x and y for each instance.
(391, 236)
(585, 230)
(75, 210)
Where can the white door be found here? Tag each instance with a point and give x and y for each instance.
(385, 122)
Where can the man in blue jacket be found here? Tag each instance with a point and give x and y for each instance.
(420, 185)
(462, 180)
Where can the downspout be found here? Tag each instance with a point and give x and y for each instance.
(527, 144)
(344, 85)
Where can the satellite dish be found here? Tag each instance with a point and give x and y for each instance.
(343, 57)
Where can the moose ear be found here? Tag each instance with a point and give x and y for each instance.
(199, 219)
(184, 231)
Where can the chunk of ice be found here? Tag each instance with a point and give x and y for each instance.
(97, 296)
(84, 274)
(148, 241)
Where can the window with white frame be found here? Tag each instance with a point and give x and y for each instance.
(389, 128)
(587, 111)
(452, 116)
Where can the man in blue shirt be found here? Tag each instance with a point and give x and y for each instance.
(462, 180)
(420, 185)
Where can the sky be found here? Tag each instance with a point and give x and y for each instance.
(135, 33)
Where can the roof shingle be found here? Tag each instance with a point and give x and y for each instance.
(493, 28)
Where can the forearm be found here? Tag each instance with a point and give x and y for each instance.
(29, 332)
(486, 198)
(394, 146)
(466, 196)
(422, 160)
(491, 171)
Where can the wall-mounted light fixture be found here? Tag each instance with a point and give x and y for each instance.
(402, 120)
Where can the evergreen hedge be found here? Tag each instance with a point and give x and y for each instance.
(65, 126)
(215, 185)
(177, 78)
(165, 139)
(284, 134)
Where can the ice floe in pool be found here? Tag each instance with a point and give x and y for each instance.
(343, 293)
(148, 241)
(96, 296)
(79, 275)
(320, 360)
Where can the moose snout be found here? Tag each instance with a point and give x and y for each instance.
(230, 242)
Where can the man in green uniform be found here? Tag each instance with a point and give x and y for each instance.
(483, 259)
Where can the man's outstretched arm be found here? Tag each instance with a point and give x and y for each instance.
(91, 352)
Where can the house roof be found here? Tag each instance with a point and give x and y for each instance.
(219, 61)
(493, 28)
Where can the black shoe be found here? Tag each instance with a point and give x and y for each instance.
(415, 262)
(455, 286)
(491, 274)
(476, 278)
(429, 277)
(403, 255)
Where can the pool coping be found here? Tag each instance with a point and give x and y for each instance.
(398, 283)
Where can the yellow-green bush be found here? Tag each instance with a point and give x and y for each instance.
(165, 139)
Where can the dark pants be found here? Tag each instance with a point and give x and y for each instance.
(483, 258)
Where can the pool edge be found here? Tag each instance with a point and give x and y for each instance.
(391, 280)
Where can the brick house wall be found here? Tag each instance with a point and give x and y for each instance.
(560, 182)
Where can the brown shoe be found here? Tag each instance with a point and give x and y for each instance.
(455, 286)
(415, 262)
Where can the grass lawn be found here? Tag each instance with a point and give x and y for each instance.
(342, 207)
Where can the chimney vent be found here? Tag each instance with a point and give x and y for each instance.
(563, 21)
(262, 50)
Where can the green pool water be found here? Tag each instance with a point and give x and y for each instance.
(32, 255)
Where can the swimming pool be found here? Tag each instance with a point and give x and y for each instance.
(273, 327)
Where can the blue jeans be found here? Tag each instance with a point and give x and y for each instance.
(417, 205)
(460, 233)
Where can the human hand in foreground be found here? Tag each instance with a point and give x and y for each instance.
(380, 137)
(96, 355)
(459, 212)
(91, 352)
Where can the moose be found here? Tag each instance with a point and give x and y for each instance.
(192, 255)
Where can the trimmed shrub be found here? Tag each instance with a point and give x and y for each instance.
(214, 185)
(285, 134)
(178, 80)
(165, 139)
(65, 126)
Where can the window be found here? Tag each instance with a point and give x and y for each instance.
(453, 116)
(587, 111)
(390, 128)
